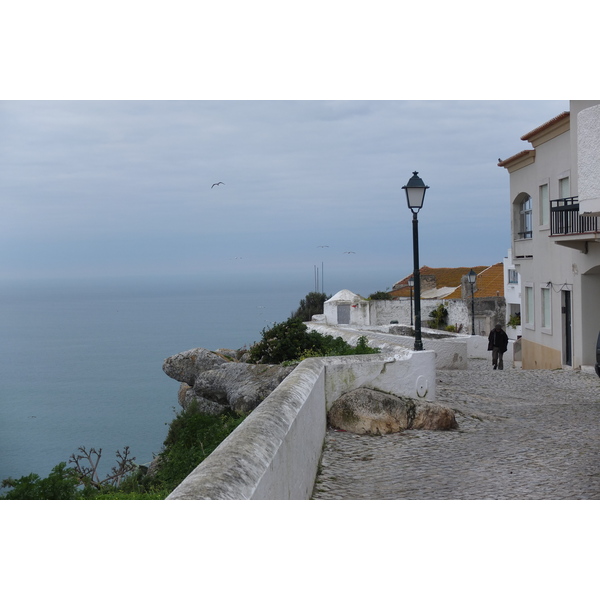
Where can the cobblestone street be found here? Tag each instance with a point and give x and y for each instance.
(527, 435)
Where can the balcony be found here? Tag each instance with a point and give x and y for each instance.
(569, 228)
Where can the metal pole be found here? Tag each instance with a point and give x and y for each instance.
(411, 313)
(472, 311)
(417, 278)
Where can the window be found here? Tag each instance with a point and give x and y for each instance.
(513, 276)
(564, 188)
(529, 312)
(525, 218)
(546, 312)
(544, 205)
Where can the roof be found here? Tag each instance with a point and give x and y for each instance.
(437, 292)
(550, 126)
(519, 160)
(544, 133)
(490, 282)
(445, 277)
(345, 296)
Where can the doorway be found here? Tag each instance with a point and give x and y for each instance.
(343, 314)
(566, 328)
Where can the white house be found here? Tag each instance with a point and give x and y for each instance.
(555, 208)
(512, 295)
(347, 308)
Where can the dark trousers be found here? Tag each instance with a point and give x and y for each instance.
(497, 358)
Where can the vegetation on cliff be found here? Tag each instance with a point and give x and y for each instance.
(291, 341)
(192, 436)
(310, 305)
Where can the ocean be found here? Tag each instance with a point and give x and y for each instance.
(81, 363)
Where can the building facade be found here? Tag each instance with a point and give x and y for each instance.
(512, 295)
(555, 219)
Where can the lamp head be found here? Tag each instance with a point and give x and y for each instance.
(415, 192)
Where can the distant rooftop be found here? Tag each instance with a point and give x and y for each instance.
(445, 283)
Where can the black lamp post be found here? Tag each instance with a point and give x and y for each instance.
(411, 283)
(415, 195)
(471, 277)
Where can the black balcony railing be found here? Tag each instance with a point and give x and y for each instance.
(565, 218)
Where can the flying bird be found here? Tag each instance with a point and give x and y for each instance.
(213, 185)
(322, 246)
(349, 252)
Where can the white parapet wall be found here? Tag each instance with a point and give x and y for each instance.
(477, 347)
(275, 453)
(451, 351)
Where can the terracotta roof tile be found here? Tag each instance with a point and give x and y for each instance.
(490, 282)
(444, 277)
(516, 157)
(534, 132)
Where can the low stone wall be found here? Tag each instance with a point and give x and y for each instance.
(275, 453)
(477, 347)
(451, 351)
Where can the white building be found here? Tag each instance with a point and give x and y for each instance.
(512, 295)
(555, 208)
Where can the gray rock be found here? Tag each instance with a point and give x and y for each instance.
(373, 412)
(240, 386)
(185, 366)
(218, 384)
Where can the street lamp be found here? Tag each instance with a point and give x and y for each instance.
(471, 277)
(415, 195)
(411, 283)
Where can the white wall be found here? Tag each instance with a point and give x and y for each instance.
(450, 352)
(275, 453)
(385, 311)
(512, 294)
(588, 152)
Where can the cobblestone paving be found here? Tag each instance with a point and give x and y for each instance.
(523, 434)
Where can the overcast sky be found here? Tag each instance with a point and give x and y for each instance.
(125, 188)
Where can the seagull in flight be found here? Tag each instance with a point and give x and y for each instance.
(322, 246)
(213, 185)
(349, 252)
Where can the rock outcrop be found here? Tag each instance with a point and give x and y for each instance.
(217, 382)
(372, 412)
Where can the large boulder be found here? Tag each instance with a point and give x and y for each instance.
(217, 383)
(185, 366)
(373, 412)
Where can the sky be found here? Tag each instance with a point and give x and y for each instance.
(124, 188)
(114, 126)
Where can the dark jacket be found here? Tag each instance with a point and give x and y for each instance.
(499, 339)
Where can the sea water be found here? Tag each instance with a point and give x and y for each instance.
(81, 364)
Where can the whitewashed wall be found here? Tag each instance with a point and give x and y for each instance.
(588, 149)
(385, 311)
(450, 352)
(274, 454)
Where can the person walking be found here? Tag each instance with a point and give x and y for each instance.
(498, 344)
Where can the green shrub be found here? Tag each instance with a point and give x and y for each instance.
(192, 436)
(291, 341)
(311, 305)
(380, 296)
(61, 484)
(439, 317)
(514, 321)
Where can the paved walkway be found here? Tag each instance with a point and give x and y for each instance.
(527, 435)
